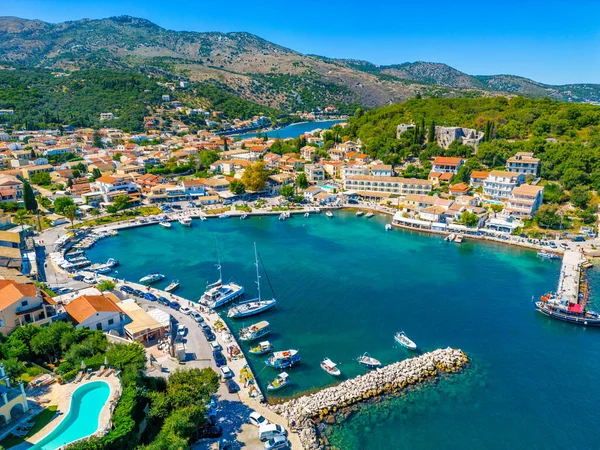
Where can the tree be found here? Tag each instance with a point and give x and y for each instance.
(96, 174)
(106, 285)
(431, 133)
(287, 190)
(121, 202)
(41, 179)
(580, 196)
(70, 212)
(225, 144)
(469, 219)
(573, 177)
(207, 157)
(547, 217)
(301, 180)
(97, 140)
(237, 187)
(29, 198)
(61, 203)
(553, 193)
(255, 177)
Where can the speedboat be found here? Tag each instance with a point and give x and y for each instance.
(547, 255)
(369, 214)
(165, 224)
(282, 216)
(360, 213)
(172, 286)
(459, 239)
(450, 237)
(262, 348)
(224, 216)
(112, 263)
(388, 227)
(243, 216)
(306, 214)
(152, 278)
(202, 218)
(250, 308)
(283, 360)
(402, 339)
(329, 214)
(103, 269)
(280, 381)
(330, 367)
(186, 221)
(255, 331)
(367, 361)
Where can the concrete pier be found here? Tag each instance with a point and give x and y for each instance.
(570, 276)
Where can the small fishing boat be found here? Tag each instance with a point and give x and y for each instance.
(330, 367)
(369, 215)
(185, 221)
(459, 239)
(165, 224)
(306, 214)
(450, 237)
(329, 214)
(283, 360)
(255, 331)
(262, 348)
(402, 339)
(360, 213)
(174, 285)
(282, 216)
(547, 255)
(280, 381)
(152, 278)
(388, 226)
(367, 361)
(243, 216)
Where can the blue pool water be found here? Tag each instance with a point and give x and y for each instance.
(81, 420)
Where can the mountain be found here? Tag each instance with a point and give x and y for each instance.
(250, 67)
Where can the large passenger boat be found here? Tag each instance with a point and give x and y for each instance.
(577, 313)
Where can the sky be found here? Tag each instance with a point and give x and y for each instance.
(554, 42)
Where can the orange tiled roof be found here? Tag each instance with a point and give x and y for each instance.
(84, 307)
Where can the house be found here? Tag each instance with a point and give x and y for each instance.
(524, 201)
(130, 170)
(381, 170)
(499, 184)
(445, 177)
(434, 177)
(419, 201)
(217, 184)
(324, 198)
(96, 312)
(276, 182)
(402, 128)
(28, 171)
(307, 152)
(193, 188)
(333, 168)
(432, 213)
(350, 170)
(478, 177)
(314, 173)
(11, 189)
(459, 189)
(446, 164)
(289, 163)
(311, 192)
(525, 163)
(380, 187)
(23, 303)
(271, 160)
(142, 326)
(106, 116)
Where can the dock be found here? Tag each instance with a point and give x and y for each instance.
(569, 283)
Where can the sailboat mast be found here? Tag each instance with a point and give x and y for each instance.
(219, 261)
(257, 272)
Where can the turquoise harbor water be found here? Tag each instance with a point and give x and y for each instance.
(295, 130)
(345, 285)
(82, 418)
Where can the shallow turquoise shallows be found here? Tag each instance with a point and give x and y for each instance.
(295, 130)
(81, 420)
(344, 286)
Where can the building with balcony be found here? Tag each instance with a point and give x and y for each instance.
(379, 187)
(314, 173)
(22, 304)
(525, 163)
(499, 184)
(524, 201)
(444, 164)
(13, 401)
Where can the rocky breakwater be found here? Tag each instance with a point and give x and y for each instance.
(302, 413)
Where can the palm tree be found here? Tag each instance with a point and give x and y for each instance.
(70, 213)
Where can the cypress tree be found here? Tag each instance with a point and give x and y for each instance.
(431, 135)
(29, 198)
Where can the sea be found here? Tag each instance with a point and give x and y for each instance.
(345, 285)
(294, 130)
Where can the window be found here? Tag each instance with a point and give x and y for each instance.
(111, 321)
(24, 303)
(99, 326)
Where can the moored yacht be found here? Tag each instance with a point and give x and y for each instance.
(255, 331)
(174, 285)
(577, 313)
(547, 255)
(360, 213)
(165, 224)
(329, 214)
(369, 362)
(152, 278)
(185, 221)
(369, 214)
(218, 294)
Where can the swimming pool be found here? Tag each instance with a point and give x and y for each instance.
(82, 419)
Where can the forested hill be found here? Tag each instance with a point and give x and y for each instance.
(565, 136)
(250, 67)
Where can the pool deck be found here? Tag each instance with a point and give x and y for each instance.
(60, 395)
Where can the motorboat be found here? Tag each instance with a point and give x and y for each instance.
(152, 278)
(255, 331)
(459, 239)
(112, 262)
(224, 216)
(547, 255)
(262, 348)
(165, 224)
(202, 218)
(369, 214)
(360, 213)
(174, 285)
(185, 221)
(369, 362)
(450, 237)
(283, 359)
(243, 216)
(402, 339)
(306, 214)
(330, 367)
(102, 269)
(329, 214)
(388, 226)
(282, 216)
(280, 381)
(255, 306)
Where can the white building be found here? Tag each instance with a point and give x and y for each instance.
(524, 201)
(314, 173)
(523, 162)
(499, 184)
(96, 312)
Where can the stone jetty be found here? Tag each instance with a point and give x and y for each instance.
(302, 413)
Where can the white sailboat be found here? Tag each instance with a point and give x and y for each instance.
(255, 306)
(218, 294)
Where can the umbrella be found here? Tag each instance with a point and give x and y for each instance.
(83, 366)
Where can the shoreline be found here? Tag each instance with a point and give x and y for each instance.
(270, 129)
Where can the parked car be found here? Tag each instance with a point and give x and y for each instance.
(215, 346)
(257, 419)
(78, 277)
(176, 306)
(175, 206)
(210, 432)
(126, 289)
(578, 239)
(552, 244)
(219, 358)
(564, 245)
(270, 431)
(196, 316)
(163, 301)
(89, 280)
(210, 336)
(277, 442)
(232, 386)
(226, 372)
(205, 327)
(185, 310)
(150, 296)
(138, 293)
(181, 330)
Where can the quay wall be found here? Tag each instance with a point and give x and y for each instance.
(302, 413)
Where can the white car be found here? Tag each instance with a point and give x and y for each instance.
(196, 316)
(277, 442)
(215, 346)
(89, 280)
(181, 329)
(257, 419)
(185, 310)
(226, 372)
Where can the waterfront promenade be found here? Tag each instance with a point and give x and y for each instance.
(570, 276)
